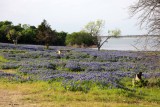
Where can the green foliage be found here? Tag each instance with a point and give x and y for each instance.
(29, 34)
(158, 83)
(14, 35)
(95, 27)
(2, 59)
(78, 86)
(115, 32)
(60, 38)
(80, 38)
(4, 27)
(45, 33)
(45, 93)
(9, 32)
(141, 83)
(153, 82)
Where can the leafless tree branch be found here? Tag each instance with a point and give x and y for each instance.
(148, 12)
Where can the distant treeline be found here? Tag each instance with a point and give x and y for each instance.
(41, 35)
(28, 34)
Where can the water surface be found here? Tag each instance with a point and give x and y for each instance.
(130, 43)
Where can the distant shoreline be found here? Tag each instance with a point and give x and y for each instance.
(133, 36)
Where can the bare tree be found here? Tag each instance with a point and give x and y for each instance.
(148, 12)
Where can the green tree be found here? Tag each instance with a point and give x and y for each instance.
(95, 29)
(14, 35)
(29, 34)
(60, 38)
(4, 28)
(45, 34)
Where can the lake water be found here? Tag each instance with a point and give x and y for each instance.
(130, 43)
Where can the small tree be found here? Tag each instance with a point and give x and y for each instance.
(14, 35)
(95, 29)
(45, 34)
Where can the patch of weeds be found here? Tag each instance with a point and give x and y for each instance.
(83, 86)
(3, 60)
(141, 83)
(158, 83)
(154, 83)
(14, 51)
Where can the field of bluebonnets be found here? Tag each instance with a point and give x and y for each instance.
(78, 69)
(99, 77)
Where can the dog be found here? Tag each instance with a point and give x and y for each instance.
(138, 77)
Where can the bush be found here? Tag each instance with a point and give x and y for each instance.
(141, 83)
(158, 83)
(80, 39)
(83, 86)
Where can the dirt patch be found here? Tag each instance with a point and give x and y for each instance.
(10, 98)
(13, 99)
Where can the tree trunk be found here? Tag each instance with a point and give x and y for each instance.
(47, 46)
(15, 42)
(99, 48)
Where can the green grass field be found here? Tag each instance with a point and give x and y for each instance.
(52, 94)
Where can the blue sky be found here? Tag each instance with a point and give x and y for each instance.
(72, 15)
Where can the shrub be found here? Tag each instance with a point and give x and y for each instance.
(141, 83)
(83, 86)
(80, 39)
